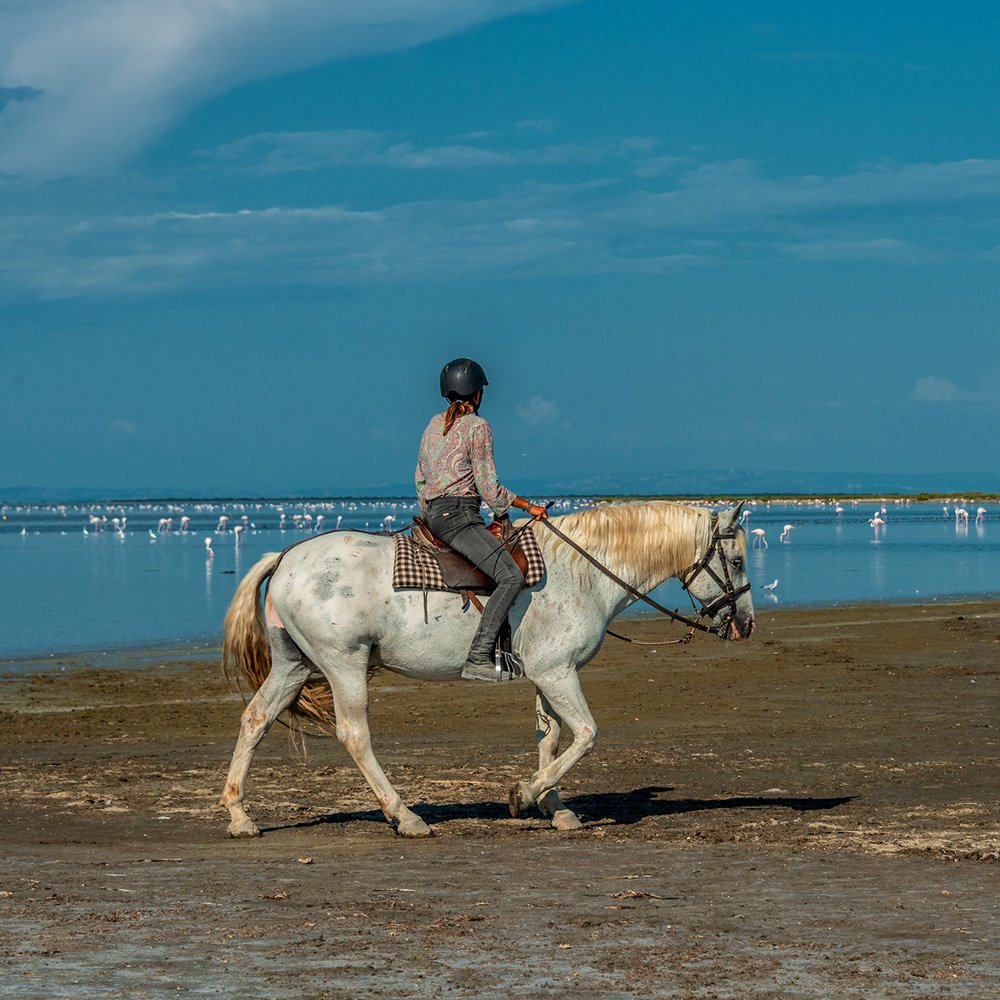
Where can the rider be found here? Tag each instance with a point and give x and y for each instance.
(455, 475)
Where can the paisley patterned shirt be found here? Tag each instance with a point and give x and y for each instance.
(460, 464)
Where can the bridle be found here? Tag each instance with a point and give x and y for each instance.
(730, 594)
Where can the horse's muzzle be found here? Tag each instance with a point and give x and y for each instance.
(736, 629)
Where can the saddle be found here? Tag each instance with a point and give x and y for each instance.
(458, 572)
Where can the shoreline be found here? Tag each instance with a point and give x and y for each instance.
(202, 648)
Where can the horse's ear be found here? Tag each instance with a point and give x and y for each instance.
(734, 514)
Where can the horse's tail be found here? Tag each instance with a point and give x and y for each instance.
(246, 652)
(245, 649)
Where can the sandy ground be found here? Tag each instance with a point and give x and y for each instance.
(810, 814)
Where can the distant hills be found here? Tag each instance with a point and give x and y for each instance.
(697, 482)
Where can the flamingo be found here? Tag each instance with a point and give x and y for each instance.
(876, 522)
(961, 514)
(209, 553)
(758, 538)
(786, 535)
(980, 514)
(238, 533)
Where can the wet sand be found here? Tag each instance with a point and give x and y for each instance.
(813, 813)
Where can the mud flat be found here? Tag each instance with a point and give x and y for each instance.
(811, 814)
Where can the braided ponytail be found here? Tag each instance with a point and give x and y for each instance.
(459, 408)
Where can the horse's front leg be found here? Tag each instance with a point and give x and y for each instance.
(565, 697)
(547, 729)
(350, 702)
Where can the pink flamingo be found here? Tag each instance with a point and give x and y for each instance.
(209, 554)
(786, 535)
(758, 538)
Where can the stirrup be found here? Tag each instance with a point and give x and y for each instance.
(509, 667)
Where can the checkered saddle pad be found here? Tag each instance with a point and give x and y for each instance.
(416, 568)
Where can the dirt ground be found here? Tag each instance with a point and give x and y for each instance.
(813, 813)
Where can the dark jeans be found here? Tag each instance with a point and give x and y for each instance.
(457, 521)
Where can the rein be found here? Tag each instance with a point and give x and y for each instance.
(729, 597)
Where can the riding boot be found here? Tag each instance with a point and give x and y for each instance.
(479, 667)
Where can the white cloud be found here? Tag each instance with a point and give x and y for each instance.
(941, 390)
(107, 76)
(540, 126)
(124, 428)
(538, 412)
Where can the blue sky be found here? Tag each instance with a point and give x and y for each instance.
(239, 239)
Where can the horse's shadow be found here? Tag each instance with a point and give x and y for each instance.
(598, 809)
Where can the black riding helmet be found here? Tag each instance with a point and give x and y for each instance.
(462, 378)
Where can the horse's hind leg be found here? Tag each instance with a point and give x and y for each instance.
(289, 671)
(547, 729)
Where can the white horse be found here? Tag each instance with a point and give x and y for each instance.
(332, 613)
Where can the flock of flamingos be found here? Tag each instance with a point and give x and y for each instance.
(383, 515)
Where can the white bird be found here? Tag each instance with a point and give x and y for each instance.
(980, 513)
(152, 535)
(209, 553)
(770, 586)
(786, 535)
(758, 538)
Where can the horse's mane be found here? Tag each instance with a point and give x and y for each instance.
(654, 536)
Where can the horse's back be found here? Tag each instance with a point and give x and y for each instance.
(335, 568)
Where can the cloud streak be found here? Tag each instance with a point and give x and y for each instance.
(108, 76)
(710, 213)
(283, 152)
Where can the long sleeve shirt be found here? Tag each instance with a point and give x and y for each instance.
(460, 464)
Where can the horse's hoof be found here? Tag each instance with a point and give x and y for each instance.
(566, 819)
(518, 799)
(245, 828)
(413, 826)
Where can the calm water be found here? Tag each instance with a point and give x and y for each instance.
(69, 583)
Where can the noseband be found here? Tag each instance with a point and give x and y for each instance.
(730, 594)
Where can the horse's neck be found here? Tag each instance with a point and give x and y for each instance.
(652, 545)
(668, 552)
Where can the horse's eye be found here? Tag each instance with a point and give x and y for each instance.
(738, 562)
